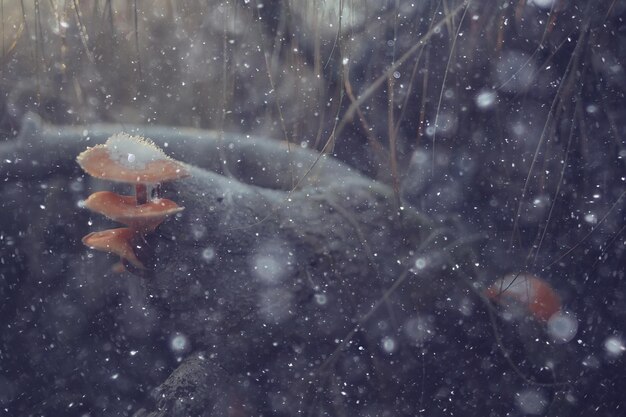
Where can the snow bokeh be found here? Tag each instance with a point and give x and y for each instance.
(501, 130)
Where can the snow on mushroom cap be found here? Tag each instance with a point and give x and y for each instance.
(130, 159)
(133, 152)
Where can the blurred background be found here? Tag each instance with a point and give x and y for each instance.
(505, 117)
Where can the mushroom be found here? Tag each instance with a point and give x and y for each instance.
(531, 292)
(131, 159)
(137, 161)
(117, 241)
(122, 208)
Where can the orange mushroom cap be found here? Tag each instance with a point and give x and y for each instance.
(117, 241)
(130, 159)
(123, 209)
(530, 291)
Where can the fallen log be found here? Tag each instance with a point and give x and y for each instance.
(289, 283)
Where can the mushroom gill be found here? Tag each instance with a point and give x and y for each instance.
(139, 162)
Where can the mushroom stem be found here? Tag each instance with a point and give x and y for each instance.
(141, 192)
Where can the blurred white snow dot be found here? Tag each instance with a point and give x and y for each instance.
(76, 186)
(321, 299)
(486, 99)
(562, 326)
(531, 401)
(388, 344)
(268, 269)
(419, 329)
(419, 157)
(208, 254)
(591, 218)
(542, 4)
(272, 261)
(131, 157)
(420, 263)
(179, 343)
(614, 346)
(198, 231)
(518, 128)
(570, 398)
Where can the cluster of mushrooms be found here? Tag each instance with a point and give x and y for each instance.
(137, 161)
